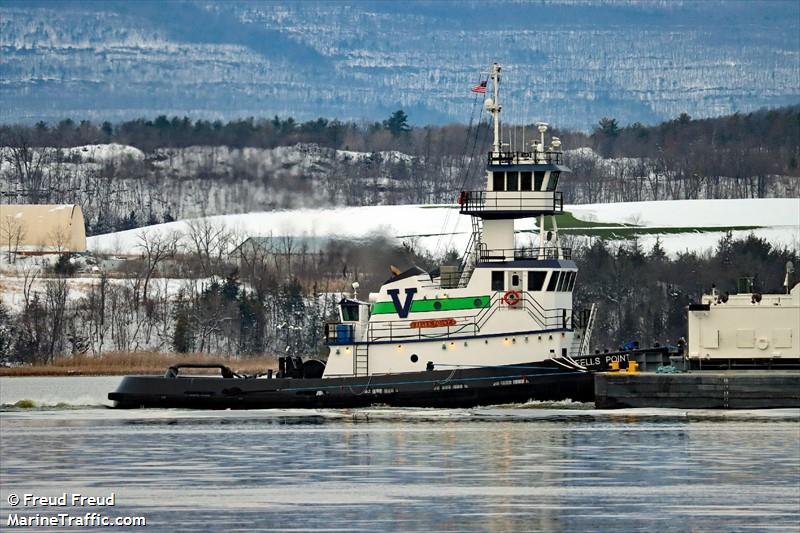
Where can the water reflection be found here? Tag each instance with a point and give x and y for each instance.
(382, 469)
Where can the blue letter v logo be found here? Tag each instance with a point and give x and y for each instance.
(402, 310)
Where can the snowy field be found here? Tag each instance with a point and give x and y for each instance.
(12, 289)
(438, 228)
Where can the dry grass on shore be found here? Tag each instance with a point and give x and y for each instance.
(115, 364)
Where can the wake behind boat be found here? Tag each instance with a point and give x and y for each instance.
(498, 328)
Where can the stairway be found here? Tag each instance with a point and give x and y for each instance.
(471, 255)
(587, 332)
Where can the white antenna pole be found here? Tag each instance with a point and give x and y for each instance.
(496, 106)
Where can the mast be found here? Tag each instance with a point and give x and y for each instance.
(494, 107)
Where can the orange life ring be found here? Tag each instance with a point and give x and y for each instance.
(511, 297)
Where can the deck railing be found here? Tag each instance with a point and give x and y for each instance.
(517, 254)
(526, 158)
(510, 201)
(463, 326)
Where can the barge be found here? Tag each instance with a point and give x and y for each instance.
(743, 353)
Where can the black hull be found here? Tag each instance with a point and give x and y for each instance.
(437, 388)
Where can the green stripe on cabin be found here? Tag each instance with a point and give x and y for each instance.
(447, 304)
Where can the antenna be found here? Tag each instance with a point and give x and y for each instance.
(542, 128)
(493, 106)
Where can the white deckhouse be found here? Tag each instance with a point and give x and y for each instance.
(507, 304)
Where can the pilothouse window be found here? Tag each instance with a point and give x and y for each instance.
(553, 181)
(536, 280)
(497, 280)
(538, 179)
(572, 276)
(562, 281)
(525, 178)
(512, 181)
(350, 312)
(551, 285)
(498, 181)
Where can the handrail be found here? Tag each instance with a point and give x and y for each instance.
(476, 201)
(225, 372)
(466, 325)
(534, 252)
(525, 158)
(337, 333)
(469, 325)
(559, 316)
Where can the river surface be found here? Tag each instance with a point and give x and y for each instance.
(532, 467)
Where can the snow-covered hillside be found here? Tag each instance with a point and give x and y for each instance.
(573, 62)
(438, 228)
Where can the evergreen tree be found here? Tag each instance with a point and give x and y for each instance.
(397, 124)
(182, 336)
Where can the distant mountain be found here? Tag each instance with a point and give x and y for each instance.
(566, 62)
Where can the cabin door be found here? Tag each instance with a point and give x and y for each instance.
(515, 280)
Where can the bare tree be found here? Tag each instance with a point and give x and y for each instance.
(59, 239)
(96, 304)
(210, 243)
(12, 232)
(56, 291)
(27, 163)
(156, 247)
(29, 274)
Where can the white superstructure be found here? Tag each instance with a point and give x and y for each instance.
(749, 325)
(505, 304)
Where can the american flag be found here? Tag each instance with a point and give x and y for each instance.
(480, 88)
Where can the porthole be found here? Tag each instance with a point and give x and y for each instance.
(414, 358)
(437, 305)
(478, 302)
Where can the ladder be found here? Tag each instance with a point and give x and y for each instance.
(361, 360)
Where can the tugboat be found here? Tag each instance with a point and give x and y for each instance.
(499, 328)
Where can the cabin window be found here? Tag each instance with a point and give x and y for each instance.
(498, 181)
(572, 277)
(515, 280)
(538, 179)
(551, 286)
(562, 281)
(536, 280)
(512, 181)
(525, 179)
(551, 185)
(498, 280)
(350, 312)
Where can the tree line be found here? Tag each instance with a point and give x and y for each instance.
(185, 294)
(192, 291)
(190, 168)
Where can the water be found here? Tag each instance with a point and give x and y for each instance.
(557, 467)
